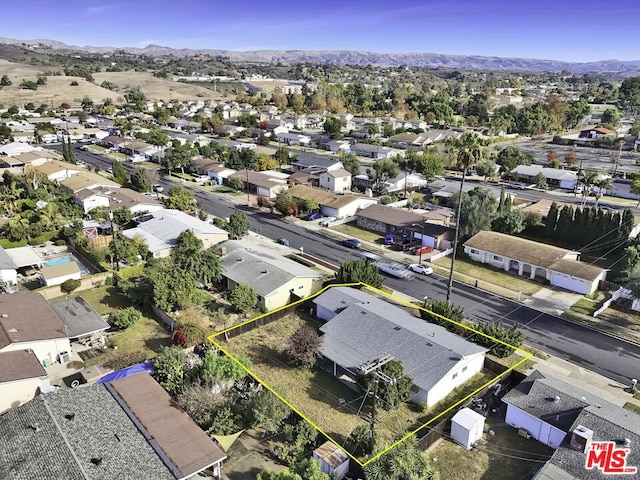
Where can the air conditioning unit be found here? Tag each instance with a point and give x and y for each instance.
(524, 433)
(65, 357)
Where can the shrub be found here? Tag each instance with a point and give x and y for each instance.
(187, 334)
(74, 83)
(126, 317)
(70, 285)
(122, 360)
(60, 243)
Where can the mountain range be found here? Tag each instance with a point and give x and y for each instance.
(348, 57)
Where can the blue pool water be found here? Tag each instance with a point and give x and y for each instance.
(60, 261)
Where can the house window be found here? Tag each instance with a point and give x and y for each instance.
(473, 251)
(464, 369)
(497, 258)
(454, 376)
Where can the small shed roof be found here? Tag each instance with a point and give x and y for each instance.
(57, 271)
(331, 454)
(467, 418)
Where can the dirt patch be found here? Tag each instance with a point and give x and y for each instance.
(248, 456)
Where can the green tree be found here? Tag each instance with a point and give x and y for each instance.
(487, 168)
(429, 164)
(122, 216)
(236, 183)
(629, 94)
(512, 336)
(126, 317)
(541, 181)
(140, 181)
(310, 204)
(477, 210)
(87, 103)
(303, 347)
(70, 285)
(611, 117)
(177, 156)
(434, 310)
(635, 189)
(238, 225)
(404, 462)
(509, 222)
(551, 220)
(216, 367)
(350, 162)
(224, 422)
(5, 81)
(119, 172)
(268, 411)
(383, 170)
(171, 287)
(391, 395)
(179, 198)
(243, 298)
(168, 369)
(360, 270)
(189, 257)
(285, 204)
(333, 127)
(510, 157)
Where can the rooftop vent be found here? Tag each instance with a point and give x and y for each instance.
(626, 442)
(70, 416)
(396, 328)
(4, 315)
(35, 426)
(556, 399)
(96, 461)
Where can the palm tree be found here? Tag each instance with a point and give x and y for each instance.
(468, 150)
(587, 180)
(602, 183)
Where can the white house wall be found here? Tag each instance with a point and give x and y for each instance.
(43, 349)
(60, 280)
(13, 394)
(541, 431)
(463, 371)
(574, 284)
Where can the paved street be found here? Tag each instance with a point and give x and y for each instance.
(608, 356)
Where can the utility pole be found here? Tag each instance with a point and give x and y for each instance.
(455, 242)
(373, 367)
(372, 423)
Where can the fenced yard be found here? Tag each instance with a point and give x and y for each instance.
(319, 396)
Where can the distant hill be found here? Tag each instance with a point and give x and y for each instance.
(346, 57)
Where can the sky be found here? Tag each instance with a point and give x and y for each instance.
(569, 30)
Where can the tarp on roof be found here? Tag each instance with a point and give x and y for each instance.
(125, 372)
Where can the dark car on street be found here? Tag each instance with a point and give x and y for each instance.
(352, 243)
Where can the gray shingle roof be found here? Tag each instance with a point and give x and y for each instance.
(79, 317)
(367, 330)
(337, 299)
(6, 262)
(261, 268)
(62, 448)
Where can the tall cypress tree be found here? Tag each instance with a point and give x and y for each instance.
(627, 223)
(72, 156)
(565, 222)
(551, 220)
(65, 150)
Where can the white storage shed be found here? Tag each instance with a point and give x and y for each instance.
(467, 427)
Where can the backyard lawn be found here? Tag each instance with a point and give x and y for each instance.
(503, 456)
(327, 402)
(141, 341)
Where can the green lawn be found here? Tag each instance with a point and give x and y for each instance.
(490, 276)
(585, 306)
(141, 341)
(323, 399)
(503, 456)
(353, 230)
(96, 149)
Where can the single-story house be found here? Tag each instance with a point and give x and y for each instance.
(566, 179)
(88, 180)
(595, 133)
(303, 178)
(410, 140)
(535, 260)
(404, 224)
(315, 161)
(114, 198)
(338, 146)
(569, 417)
(276, 279)
(28, 322)
(22, 377)
(15, 148)
(264, 184)
(293, 139)
(219, 173)
(362, 331)
(404, 181)
(375, 151)
(56, 170)
(160, 230)
(126, 428)
(81, 319)
(58, 274)
(338, 180)
(331, 204)
(24, 137)
(38, 157)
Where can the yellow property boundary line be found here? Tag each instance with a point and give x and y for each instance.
(525, 356)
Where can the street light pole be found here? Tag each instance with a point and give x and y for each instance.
(455, 242)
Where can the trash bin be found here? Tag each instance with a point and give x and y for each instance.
(46, 363)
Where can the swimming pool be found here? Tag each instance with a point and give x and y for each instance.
(60, 261)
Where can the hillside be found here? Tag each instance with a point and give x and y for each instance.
(345, 57)
(59, 90)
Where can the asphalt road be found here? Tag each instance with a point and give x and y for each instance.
(608, 356)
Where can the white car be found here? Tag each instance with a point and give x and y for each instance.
(325, 222)
(422, 269)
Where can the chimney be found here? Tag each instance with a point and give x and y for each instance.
(581, 438)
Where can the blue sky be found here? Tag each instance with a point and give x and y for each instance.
(569, 30)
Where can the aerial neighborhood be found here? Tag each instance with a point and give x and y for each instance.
(214, 268)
